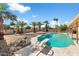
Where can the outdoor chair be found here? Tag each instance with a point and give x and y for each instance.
(46, 51)
(38, 45)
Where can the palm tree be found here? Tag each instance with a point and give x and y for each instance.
(46, 25)
(6, 27)
(39, 25)
(4, 14)
(56, 25)
(34, 26)
(56, 20)
(17, 27)
(12, 23)
(20, 25)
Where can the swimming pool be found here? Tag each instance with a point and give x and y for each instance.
(57, 40)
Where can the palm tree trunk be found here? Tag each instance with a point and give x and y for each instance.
(46, 28)
(3, 44)
(1, 29)
(34, 29)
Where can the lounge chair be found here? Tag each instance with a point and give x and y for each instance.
(38, 45)
(46, 51)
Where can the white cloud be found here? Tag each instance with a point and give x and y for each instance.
(18, 7)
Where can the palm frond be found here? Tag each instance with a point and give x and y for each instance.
(3, 7)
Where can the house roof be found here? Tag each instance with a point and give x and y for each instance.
(74, 21)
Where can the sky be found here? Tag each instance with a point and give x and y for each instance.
(35, 12)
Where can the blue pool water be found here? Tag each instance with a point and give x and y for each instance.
(57, 40)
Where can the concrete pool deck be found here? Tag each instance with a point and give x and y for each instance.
(72, 50)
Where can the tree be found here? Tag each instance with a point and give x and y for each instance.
(63, 27)
(12, 23)
(56, 20)
(39, 25)
(6, 27)
(46, 25)
(5, 14)
(17, 27)
(28, 27)
(34, 26)
(20, 25)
